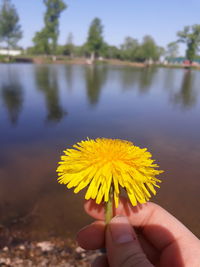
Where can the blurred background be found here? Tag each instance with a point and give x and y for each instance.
(71, 70)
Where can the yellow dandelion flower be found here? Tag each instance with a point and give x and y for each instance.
(104, 163)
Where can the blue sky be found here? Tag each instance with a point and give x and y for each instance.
(161, 19)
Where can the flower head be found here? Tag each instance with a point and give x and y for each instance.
(102, 163)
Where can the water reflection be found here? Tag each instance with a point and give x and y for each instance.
(129, 77)
(142, 79)
(12, 96)
(47, 82)
(69, 70)
(187, 96)
(133, 104)
(169, 80)
(146, 79)
(95, 78)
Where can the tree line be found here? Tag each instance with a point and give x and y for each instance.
(45, 41)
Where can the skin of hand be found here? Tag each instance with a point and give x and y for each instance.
(141, 236)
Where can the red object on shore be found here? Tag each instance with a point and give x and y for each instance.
(186, 62)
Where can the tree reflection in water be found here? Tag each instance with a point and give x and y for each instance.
(95, 77)
(12, 95)
(47, 82)
(141, 79)
(187, 96)
(129, 77)
(69, 72)
(146, 79)
(136, 104)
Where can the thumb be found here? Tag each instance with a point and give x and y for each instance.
(123, 247)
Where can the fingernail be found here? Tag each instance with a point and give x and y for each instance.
(121, 230)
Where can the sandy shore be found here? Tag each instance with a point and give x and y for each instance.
(85, 61)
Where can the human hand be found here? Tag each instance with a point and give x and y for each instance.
(157, 239)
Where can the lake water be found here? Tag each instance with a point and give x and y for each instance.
(46, 108)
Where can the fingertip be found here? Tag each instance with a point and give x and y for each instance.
(91, 237)
(100, 261)
(97, 211)
(94, 210)
(123, 247)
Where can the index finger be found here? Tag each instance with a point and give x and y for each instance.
(157, 225)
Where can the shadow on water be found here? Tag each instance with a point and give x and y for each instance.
(12, 95)
(95, 78)
(47, 82)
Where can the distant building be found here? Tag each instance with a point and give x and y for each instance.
(175, 60)
(10, 52)
(182, 61)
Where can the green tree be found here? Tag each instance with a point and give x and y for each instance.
(79, 51)
(172, 50)
(69, 47)
(111, 51)
(191, 37)
(10, 29)
(148, 49)
(95, 38)
(41, 43)
(160, 52)
(129, 49)
(46, 40)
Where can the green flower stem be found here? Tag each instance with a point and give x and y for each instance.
(109, 207)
